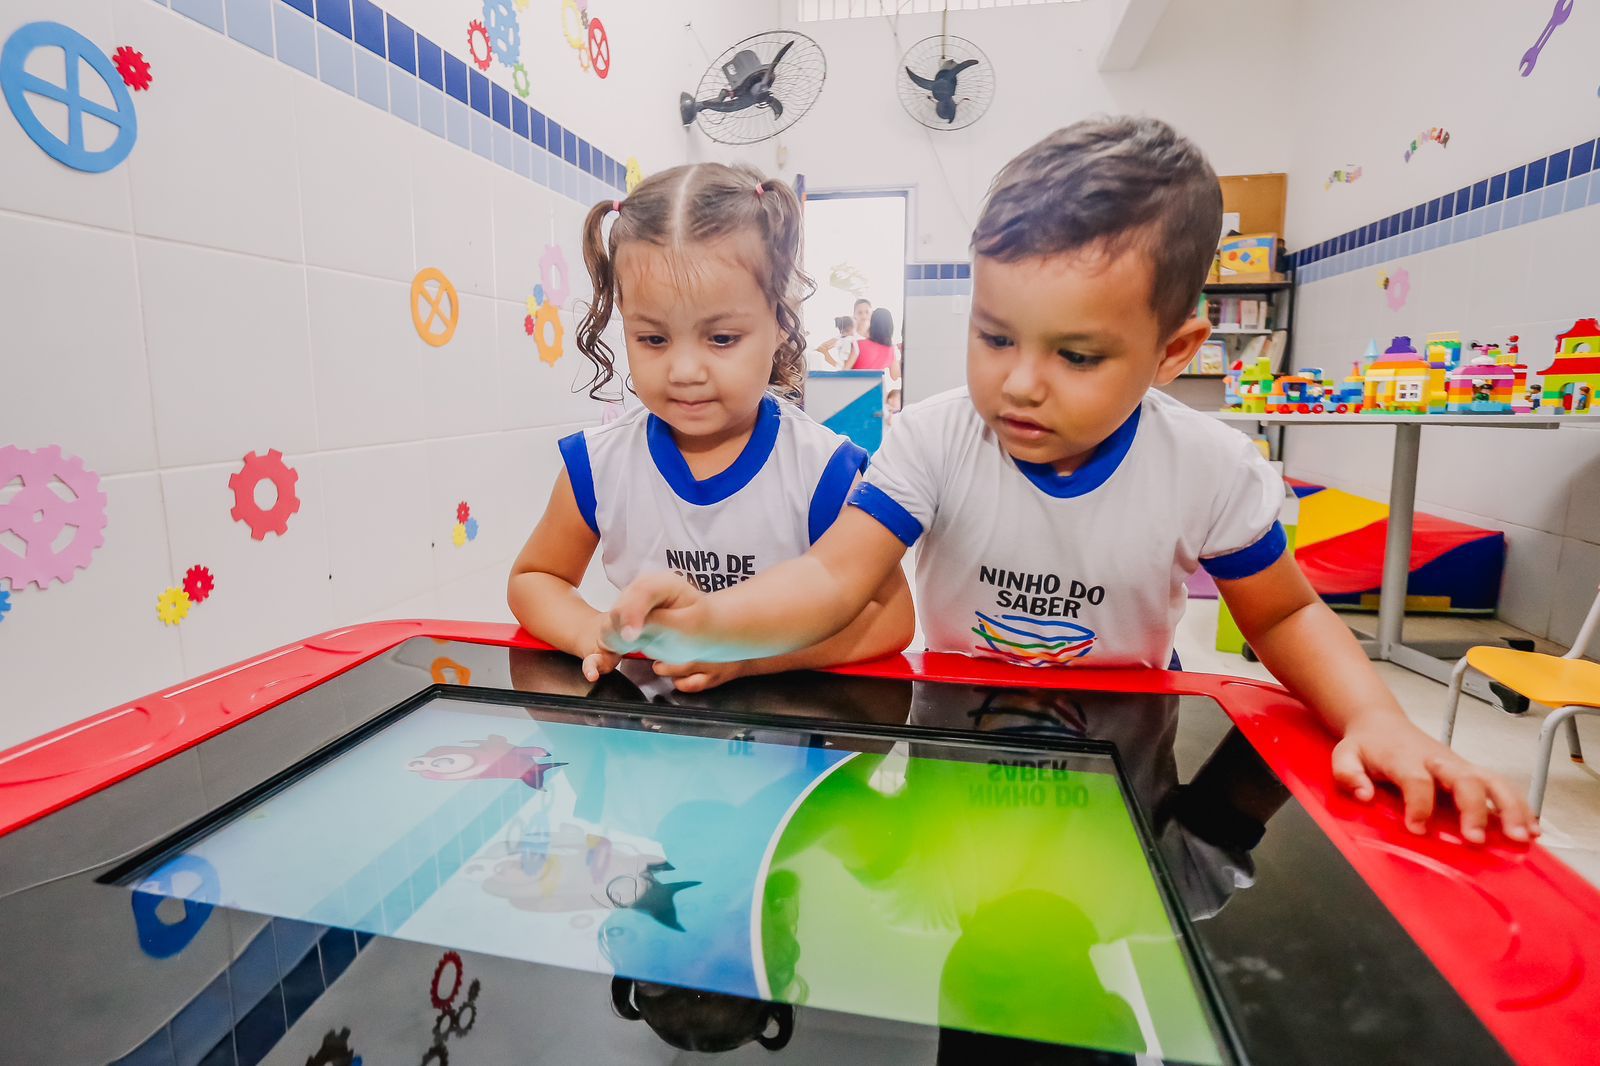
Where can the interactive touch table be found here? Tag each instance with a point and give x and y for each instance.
(418, 842)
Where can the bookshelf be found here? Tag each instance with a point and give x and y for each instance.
(1237, 333)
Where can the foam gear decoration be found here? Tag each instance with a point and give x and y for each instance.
(635, 174)
(37, 514)
(599, 49)
(256, 469)
(575, 37)
(519, 79)
(478, 44)
(16, 84)
(522, 5)
(554, 262)
(133, 67)
(505, 33)
(538, 296)
(1398, 288)
(458, 535)
(172, 606)
(198, 584)
(546, 322)
(5, 604)
(529, 324)
(442, 290)
(463, 512)
(435, 996)
(472, 529)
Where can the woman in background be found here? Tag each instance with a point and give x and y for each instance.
(876, 351)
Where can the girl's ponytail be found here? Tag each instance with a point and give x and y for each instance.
(602, 276)
(783, 221)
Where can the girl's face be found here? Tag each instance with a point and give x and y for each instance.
(701, 335)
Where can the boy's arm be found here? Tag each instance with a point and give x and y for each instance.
(543, 589)
(1313, 653)
(793, 605)
(885, 626)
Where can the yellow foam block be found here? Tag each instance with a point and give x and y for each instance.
(1332, 513)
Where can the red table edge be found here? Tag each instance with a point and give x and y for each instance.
(1539, 997)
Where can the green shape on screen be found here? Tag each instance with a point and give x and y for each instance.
(1002, 899)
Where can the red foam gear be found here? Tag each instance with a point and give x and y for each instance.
(133, 67)
(449, 958)
(198, 583)
(476, 35)
(463, 512)
(257, 469)
(528, 327)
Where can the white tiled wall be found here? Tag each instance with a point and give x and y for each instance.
(241, 283)
(1541, 487)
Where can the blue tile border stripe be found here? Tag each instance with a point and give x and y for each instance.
(939, 279)
(380, 37)
(1565, 180)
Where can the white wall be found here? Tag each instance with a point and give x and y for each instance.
(241, 283)
(858, 136)
(1533, 279)
(1045, 55)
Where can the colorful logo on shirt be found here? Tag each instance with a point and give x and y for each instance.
(1029, 641)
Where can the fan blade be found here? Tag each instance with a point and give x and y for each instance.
(774, 103)
(959, 67)
(779, 57)
(919, 81)
(728, 106)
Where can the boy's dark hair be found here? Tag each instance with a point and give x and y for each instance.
(843, 322)
(859, 301)
(1104, 184)
(881, 326)
(694, 203)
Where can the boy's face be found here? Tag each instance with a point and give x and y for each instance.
(1061, 349)
(863, 317)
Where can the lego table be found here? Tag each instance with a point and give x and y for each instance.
(1390, 645)
(420, 840)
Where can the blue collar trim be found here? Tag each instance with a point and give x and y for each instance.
(674, 468)
(1095, 471)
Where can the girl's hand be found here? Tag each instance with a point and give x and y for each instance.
(601, 660)
(698, 677)
(1417, 765)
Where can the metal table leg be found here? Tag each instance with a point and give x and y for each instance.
(1397, 549)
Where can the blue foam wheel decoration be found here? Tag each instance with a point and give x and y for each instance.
(17, 84)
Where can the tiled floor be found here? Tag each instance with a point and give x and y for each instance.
(1485, 734)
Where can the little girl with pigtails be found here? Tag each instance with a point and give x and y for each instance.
(718, 475)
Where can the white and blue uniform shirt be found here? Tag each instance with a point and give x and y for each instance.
(1018, 562)
(635, 490)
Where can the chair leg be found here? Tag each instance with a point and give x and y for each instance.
(1574, 746)
(1457, 679)
(1547, 740)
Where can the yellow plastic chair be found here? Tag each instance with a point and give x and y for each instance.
(1569, 686)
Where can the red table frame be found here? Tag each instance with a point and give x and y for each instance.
(1511, 927)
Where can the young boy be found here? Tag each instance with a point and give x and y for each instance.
(1059, 501)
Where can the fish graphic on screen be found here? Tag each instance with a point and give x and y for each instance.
(493, 758)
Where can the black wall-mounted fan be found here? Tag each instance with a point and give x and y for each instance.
(757, 89)
(945, 82)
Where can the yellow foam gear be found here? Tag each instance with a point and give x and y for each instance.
(549, 351)
(579, 40)
(172, 606)
(1331, 513)
(522, 5)
(533, 305)
(458, 536)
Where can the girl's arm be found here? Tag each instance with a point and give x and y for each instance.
(850, 361)
(885, 626)
(1313, 653)
(543, 589)
(826, 349)
(798, 603)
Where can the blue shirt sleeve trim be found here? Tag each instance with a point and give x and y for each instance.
(848, 460)
(880, 505)
(1246, 562)
(575, 453)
